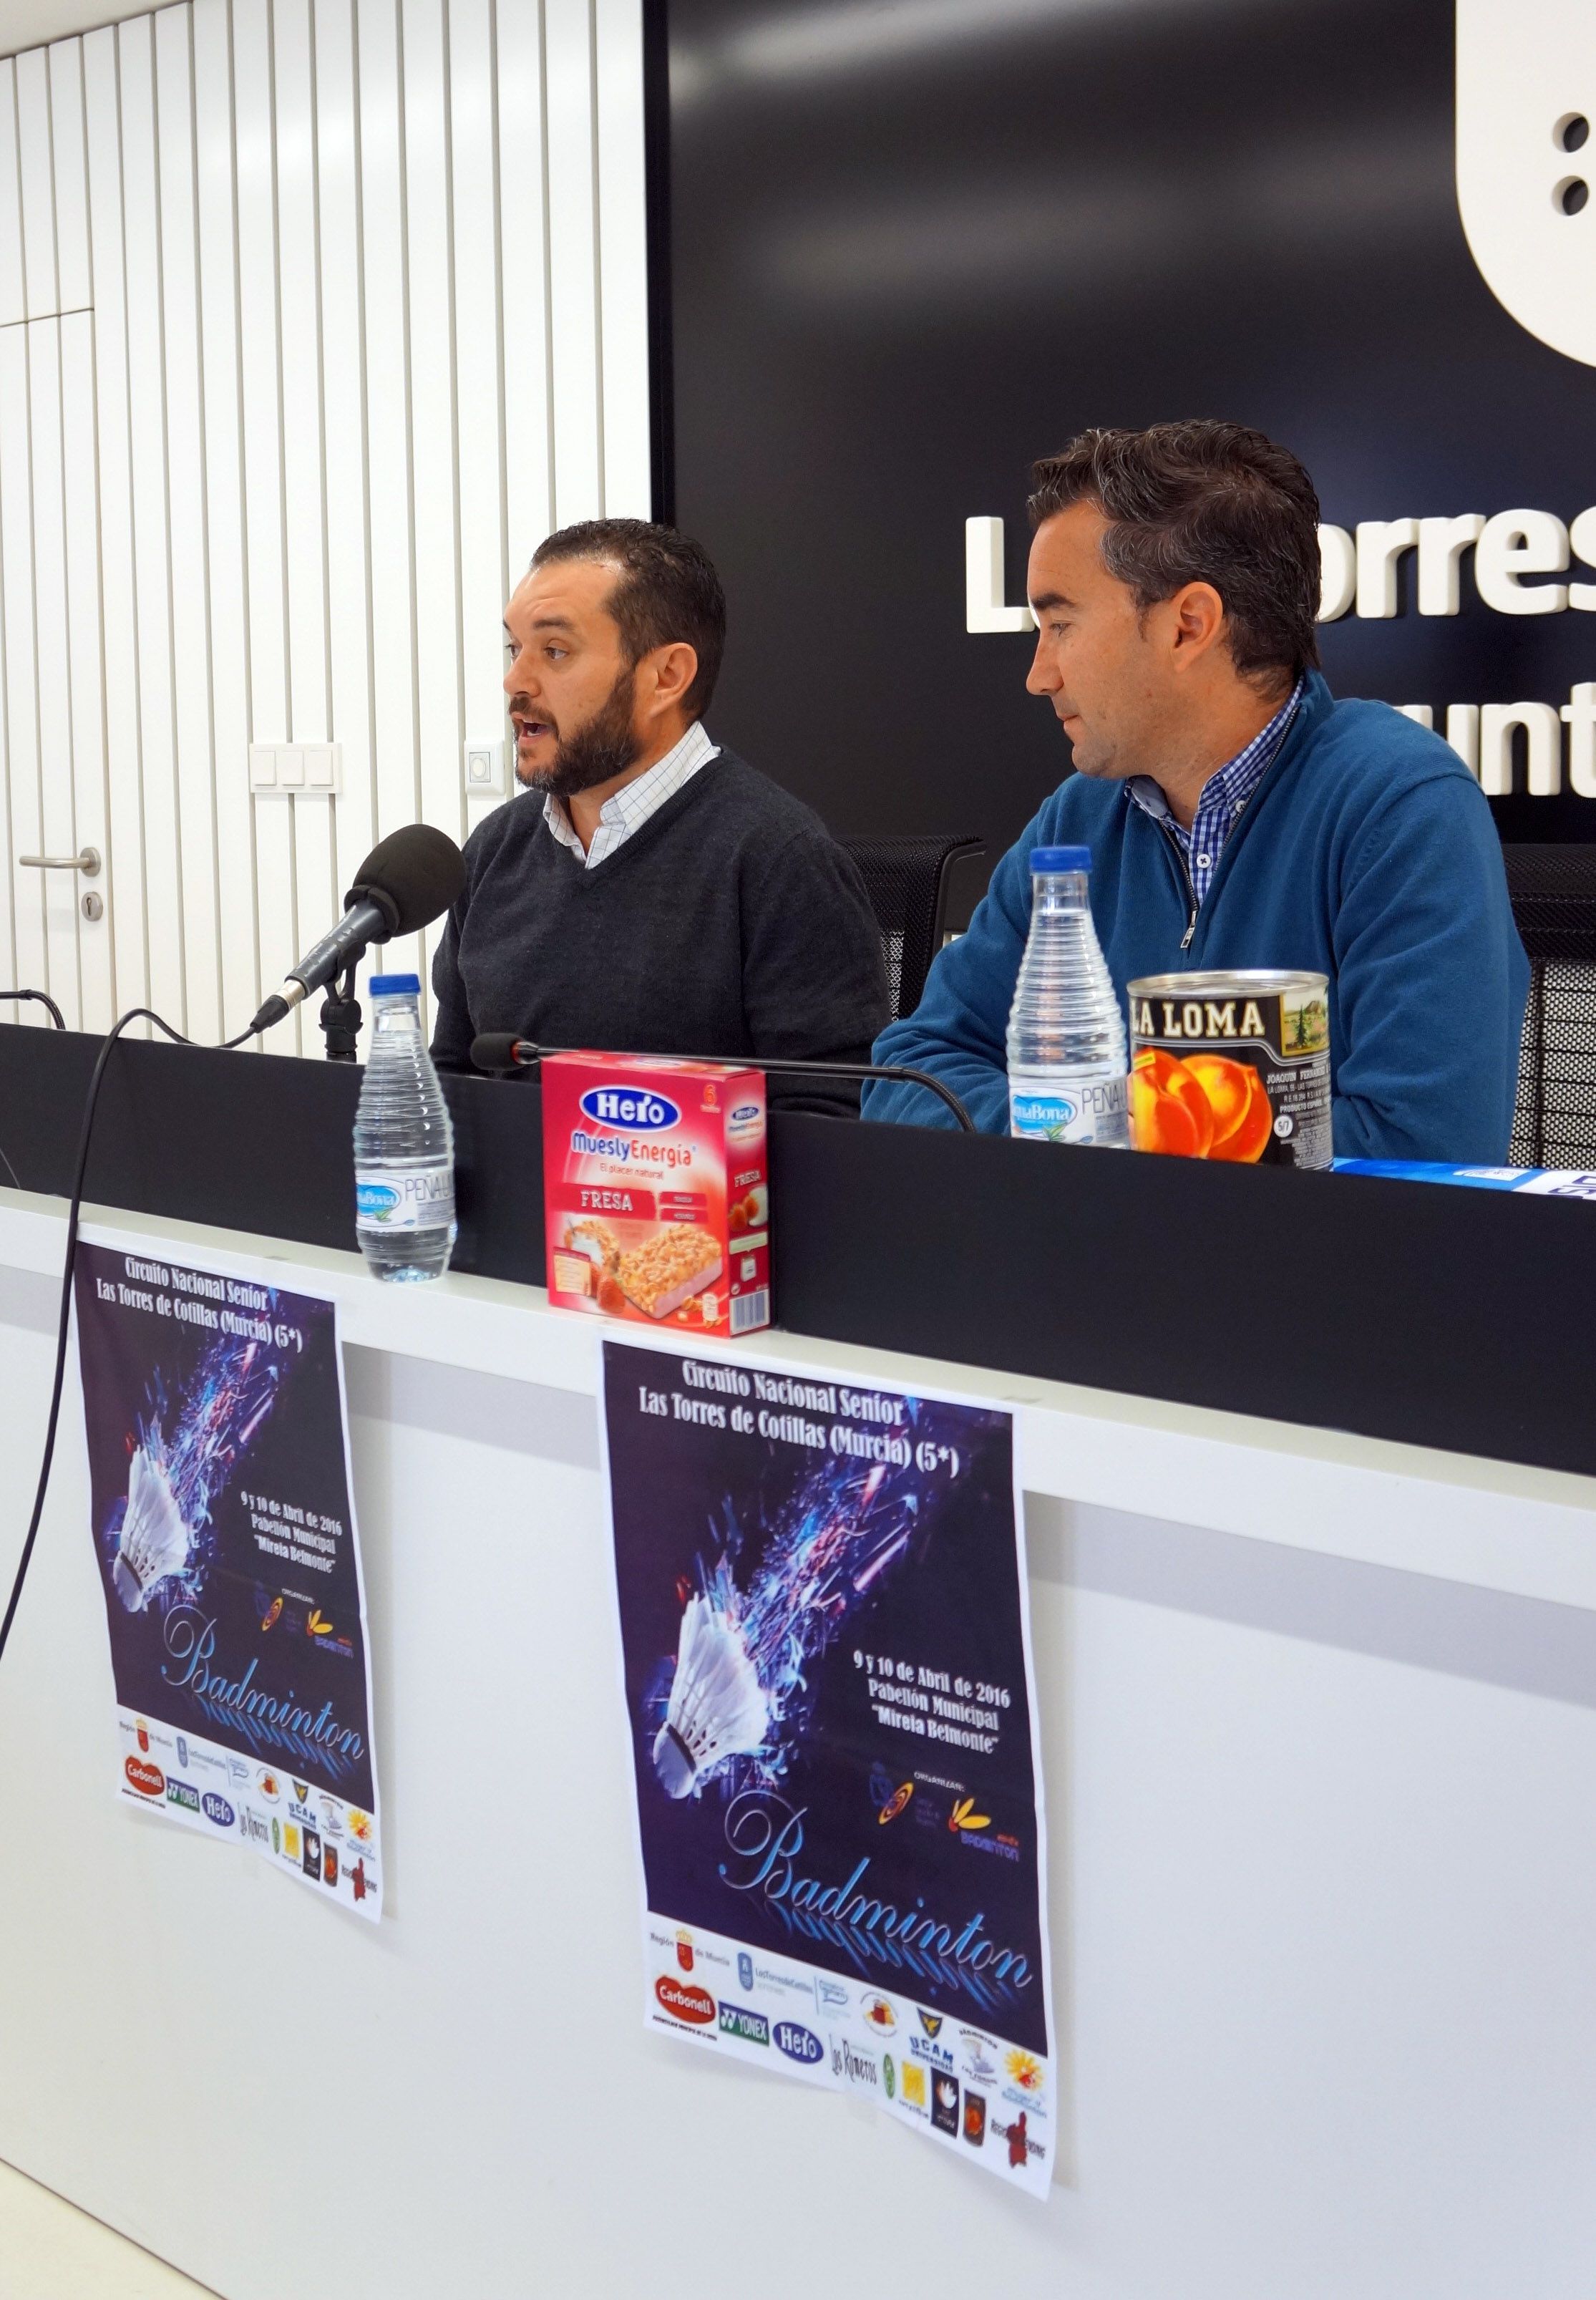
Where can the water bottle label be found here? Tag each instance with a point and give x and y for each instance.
(1075, 1110)
(405, 1197)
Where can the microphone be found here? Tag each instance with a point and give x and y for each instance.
(405, 882)
(502, 1050)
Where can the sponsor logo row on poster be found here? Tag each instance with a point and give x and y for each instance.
(323, 1839)
(954, 2080)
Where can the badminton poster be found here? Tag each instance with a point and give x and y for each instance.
(826, 1654)
(225, 1537)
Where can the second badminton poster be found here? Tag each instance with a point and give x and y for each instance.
(826, 1664)
(225, 1539)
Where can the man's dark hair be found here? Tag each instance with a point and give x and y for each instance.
(1203, 503)
(666, 590)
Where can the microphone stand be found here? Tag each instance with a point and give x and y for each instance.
(340, 1014)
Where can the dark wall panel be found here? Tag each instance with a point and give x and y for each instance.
(915, 244)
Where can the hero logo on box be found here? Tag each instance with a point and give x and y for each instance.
(620, 1106)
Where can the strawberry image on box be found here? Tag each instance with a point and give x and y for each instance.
(656, 1195)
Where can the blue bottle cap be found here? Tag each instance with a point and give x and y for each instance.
(394, 986)
(1060, 858)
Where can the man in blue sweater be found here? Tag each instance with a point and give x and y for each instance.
(1237, 815)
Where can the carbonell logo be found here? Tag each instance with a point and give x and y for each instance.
(685, 2001)
(633, 1107)
(149, 1780)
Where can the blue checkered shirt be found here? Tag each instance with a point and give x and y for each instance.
(1224, 795)
(627, 809)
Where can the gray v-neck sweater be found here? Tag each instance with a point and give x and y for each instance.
(730, 923)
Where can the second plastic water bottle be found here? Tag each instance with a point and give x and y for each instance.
(1066, 1051)
(404, 1143)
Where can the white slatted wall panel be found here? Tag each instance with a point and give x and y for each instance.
(315, 316)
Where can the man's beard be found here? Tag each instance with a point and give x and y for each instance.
(596, 752)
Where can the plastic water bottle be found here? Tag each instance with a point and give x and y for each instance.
(1067, 1066)
(403, 1143)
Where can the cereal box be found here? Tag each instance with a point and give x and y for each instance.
(656, 1195)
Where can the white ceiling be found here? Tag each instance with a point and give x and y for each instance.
(29, 24)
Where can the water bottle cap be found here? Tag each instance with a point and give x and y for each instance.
(394, 986)
(1060, 858)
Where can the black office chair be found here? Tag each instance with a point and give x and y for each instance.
(907, 880)
(1554, 891)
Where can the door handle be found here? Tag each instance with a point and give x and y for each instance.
(87, 861)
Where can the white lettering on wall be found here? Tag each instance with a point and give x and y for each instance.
(1492, 739)
(983, 608)
(1544, 746)
(1441, 543)
(1515, 544)
(1381, 544)
(1579, 711)
(1338, 572)
(1365, 570)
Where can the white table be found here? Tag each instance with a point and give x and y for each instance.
(1319, 1729)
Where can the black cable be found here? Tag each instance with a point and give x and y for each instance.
(41, 998)
(524, 1053)
(74, 1210)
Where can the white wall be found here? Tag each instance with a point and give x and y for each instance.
(315, 316)
(30, 23)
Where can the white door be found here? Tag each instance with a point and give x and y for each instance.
(57, 882)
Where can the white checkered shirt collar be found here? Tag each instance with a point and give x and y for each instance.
(627, 809)
(1224, 795)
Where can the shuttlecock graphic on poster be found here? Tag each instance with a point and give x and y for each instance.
(182, 1458)
(155, 1539)
(718, 1707)
(745, 1658)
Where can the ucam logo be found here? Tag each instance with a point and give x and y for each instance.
(630, 1106)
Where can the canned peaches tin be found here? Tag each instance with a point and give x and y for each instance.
(1232, 1066)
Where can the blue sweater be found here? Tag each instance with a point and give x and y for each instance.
(1367, 854)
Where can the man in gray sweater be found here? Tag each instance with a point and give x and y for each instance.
(647, 891)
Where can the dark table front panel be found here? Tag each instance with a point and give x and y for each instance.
(1440, 1317)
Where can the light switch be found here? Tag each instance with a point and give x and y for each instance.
(485, 767)
(308, 770)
